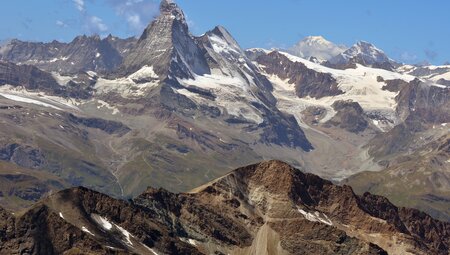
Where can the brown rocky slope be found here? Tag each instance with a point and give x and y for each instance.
(266, 208)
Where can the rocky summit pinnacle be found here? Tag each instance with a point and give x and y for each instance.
(168, 46)
(170, 7)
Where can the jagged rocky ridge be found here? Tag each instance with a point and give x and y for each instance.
(33, 79)
(307, 82)
(82, 54)
(266, 208)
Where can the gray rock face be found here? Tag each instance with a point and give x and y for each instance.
(34, 79)
(122, 46)
(30, 77)
(282, 129)
(225, 54)
(443, 82)
(424, 102)
(395, 85)
(307, 82)
(82, 54)
(166, 42)
(427, 71)
(350, 116)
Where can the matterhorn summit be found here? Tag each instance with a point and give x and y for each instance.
(167, 45)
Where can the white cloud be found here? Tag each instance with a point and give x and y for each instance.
(408, 57)
(60, 23)
(134, 21)
(96, 25)
(79, 4)
(137, 13)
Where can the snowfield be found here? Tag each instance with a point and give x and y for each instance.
(19, 94)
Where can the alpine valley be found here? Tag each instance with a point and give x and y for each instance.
(136, 146)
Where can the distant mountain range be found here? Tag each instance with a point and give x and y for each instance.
(176, 111)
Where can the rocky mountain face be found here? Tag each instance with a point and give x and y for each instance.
(425, 101)
(81, 221)
(266, 208)
(32, 78)
(316, 47)
(82, 54)
(417, 170)
(174, 50)
(307, 82)
(349, 116)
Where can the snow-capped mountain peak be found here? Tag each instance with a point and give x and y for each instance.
(316, 46)
(364, 53)
(363, 47)
(314, 40)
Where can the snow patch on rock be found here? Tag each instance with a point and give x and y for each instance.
(189, 241)
(144, 73)
(104, 223)
(28, 100)
(125, 87)
(316, 217)
(20, 94)
(84, 229)
(103, 104)
(126, 234)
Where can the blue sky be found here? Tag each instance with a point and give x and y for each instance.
(409, 31)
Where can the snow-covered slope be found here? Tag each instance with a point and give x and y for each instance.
(437, 74)
(316, 46)
(234, 79)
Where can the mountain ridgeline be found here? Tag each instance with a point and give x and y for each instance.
(267, 208)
